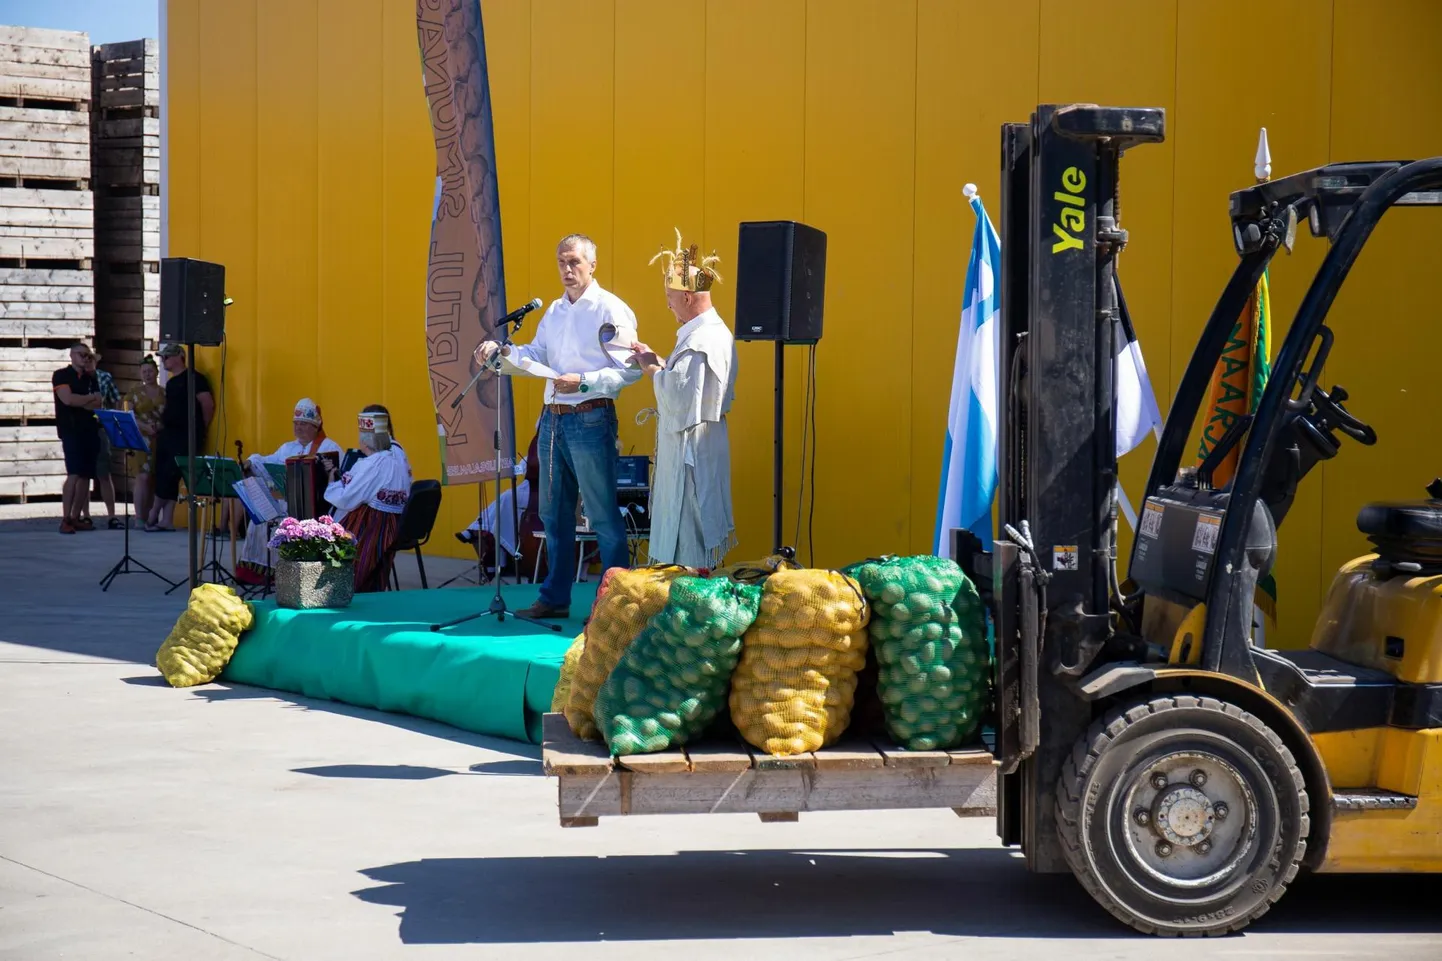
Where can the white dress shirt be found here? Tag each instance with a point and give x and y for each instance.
(567, 340)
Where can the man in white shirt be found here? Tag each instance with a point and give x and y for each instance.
(577, 431)
(691, 520)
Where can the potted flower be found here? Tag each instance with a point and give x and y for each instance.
(316, 565)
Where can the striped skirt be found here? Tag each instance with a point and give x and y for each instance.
(374, 532)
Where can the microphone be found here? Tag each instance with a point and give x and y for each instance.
(519, 312)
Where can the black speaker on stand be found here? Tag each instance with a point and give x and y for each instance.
(192, 312)
(780, 296)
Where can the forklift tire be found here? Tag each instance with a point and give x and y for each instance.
(1182, 815)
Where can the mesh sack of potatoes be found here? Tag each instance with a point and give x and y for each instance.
(203, 639)
(568, 671)
(928, 631)
(671, 682)
(793, 689)
(630, 599)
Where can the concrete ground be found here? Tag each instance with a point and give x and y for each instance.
(137, 821)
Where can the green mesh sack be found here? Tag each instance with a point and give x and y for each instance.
(673, 678)
(928, 629)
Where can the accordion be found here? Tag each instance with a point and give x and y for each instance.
(306, 479)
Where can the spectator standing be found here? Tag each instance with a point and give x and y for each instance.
(104, 480)
(77, 395)
(175, 419)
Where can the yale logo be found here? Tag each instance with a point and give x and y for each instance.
(1073, 218)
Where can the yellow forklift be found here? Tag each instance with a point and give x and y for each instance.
(1144, 743)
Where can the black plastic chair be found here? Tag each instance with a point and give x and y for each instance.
(417, 519)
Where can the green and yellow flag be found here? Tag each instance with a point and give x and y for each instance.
(1237, 383)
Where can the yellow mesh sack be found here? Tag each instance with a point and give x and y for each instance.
(202, 641)
(568, 671)
(796, 683)
(626, 600)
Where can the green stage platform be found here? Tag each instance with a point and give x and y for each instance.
(482, 676)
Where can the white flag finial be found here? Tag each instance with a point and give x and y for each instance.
(968, 191)
(1262, 166)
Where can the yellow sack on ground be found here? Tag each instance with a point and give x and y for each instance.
(568, 671)
(626, 600)
(202, 641)
(796, 683)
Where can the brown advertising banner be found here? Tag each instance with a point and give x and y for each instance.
(465, 284)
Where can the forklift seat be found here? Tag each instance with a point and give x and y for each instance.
(1408, 534)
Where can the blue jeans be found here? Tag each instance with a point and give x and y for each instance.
(578, 454)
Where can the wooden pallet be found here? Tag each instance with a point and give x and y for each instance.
(126, 145)
(127, 229)
(46, 304)
(126, 74)
(45, 65)
(733, 778)
(31, 462)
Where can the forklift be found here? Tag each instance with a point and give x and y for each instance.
(1144, 743)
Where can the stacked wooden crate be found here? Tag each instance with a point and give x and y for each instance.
(47, 298)
(126, 177)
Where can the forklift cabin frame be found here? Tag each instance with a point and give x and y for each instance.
(1052, 578)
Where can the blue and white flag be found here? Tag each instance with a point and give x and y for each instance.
(968, 464)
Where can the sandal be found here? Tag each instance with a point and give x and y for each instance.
(84, 524)
(116, 524)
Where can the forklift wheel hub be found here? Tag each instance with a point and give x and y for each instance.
(1184, 815)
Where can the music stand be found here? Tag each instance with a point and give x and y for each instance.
(124, 434)
(498, 608)
(214, 480)
(276, 473)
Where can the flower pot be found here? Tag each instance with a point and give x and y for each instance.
(308, 584)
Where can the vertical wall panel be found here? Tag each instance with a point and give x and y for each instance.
(182, 146)
(350, 312)
(287, 114)
(508, 56)
(572, 152)
(659, 177)
(961, 103)
(860, 189)
(1226, 92)
(407, 195)
(1388, 87)
(228, 213)
(754, 169)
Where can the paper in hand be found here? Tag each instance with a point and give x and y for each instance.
(536, 370)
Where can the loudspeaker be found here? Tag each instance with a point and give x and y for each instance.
(192, 302)
(780, 282)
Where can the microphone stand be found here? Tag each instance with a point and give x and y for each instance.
(498, 603)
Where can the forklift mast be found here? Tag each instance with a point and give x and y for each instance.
(1054, 561)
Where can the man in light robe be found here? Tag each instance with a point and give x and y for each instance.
(691, 521)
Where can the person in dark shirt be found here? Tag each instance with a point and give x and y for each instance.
(172, 441)
(77, 394)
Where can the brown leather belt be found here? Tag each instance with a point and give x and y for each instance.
(601, 403)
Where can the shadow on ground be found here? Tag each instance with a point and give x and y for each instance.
(709, 895)
(220, 693)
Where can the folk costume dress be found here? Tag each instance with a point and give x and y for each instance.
(368, 501)
(256, 557)
(691, 519)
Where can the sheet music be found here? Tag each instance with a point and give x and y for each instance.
(256, 497)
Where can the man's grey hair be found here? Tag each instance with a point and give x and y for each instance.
(586, 245)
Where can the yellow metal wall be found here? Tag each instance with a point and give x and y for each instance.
(300, 156)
